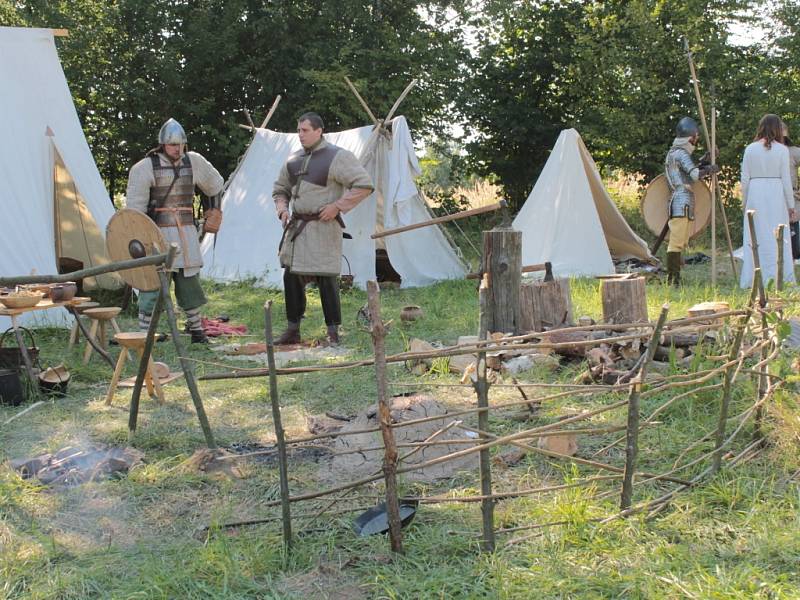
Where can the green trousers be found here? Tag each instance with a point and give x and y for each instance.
(188, 292)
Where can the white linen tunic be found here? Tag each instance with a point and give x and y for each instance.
(767, 189)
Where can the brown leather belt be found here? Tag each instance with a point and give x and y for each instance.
(305, 219)
(175, 211)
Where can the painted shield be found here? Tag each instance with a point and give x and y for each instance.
(132, 234)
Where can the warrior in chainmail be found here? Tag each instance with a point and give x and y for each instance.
(162, 185)
(681, 172)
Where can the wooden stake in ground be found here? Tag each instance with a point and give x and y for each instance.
(482, 391)
(632, 434)
(283, 470)
(728, 379)
(186, 366)
(779, 233)
(385, 417)
(502, 264)
(144, 361)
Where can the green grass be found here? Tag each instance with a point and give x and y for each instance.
(734, 537)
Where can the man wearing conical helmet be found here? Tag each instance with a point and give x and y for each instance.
(162, 185)
(681, 171)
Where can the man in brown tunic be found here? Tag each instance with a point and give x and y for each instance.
(316, 185)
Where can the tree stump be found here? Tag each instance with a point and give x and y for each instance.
(502, 262)
(545, 305)
(624, 300)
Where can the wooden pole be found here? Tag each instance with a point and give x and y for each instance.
(482, 391)
(707, 140)
(728, 377)
(283, 470)
(271, 112)
(399, 100)
(751, 225)
(452, 217)
(385, 418)
(714, 192)
(144, 361)
(632, 433)
(361, 100)
(779, 233)
(186, 365)
(123, 265)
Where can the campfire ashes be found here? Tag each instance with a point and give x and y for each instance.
(348, 462)
(74, 466)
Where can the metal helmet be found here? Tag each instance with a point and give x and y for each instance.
(171, 133)
(687, 127)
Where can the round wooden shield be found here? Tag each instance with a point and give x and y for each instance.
(655, 206)
(132, 234)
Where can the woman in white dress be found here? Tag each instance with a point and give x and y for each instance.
(767, 189)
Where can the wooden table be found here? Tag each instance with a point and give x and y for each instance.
(14, 313)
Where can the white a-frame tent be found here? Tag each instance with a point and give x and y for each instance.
(247, 245)
(54, 205)
(570, 220)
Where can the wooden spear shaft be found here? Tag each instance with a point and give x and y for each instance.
(707, 139)
(714, 192)
(482, 392)
(459, 215)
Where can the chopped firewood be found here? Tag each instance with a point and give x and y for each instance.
(562, 444)
(460, 364)
(493, 360)
(599, 356)
(569, 337)
(664, 353)
(509, 458)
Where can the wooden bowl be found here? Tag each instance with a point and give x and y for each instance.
(21, 301)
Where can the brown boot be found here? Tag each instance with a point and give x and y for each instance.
(674, 261)
(290, 336)
(333, 335)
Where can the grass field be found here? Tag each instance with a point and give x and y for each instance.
(136, 537)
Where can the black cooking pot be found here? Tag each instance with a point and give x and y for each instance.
(10, 388)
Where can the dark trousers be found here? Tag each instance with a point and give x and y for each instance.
(294, 291)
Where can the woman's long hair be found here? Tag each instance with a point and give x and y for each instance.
(787, 141)
(770, 129)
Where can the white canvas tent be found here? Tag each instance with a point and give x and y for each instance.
(247, 245)
(52, 199)
(570, 220)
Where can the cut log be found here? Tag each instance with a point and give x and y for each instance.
(624, 300)
(502, 263)
(545, 305)
(680, 340)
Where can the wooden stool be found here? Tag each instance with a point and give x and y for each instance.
(75, 334)
(99, 317)
(128, 341)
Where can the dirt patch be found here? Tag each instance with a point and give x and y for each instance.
(325, 582)
(356, 456)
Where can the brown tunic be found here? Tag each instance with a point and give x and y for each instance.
(308, 181)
